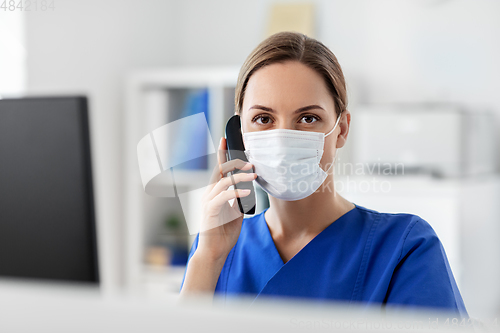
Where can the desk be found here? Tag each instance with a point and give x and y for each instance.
(28, 307)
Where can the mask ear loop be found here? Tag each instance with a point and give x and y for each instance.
(336, 151)
(334, 127)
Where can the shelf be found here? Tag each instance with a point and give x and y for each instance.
(155, 97)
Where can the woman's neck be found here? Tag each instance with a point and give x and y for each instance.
(309, 216)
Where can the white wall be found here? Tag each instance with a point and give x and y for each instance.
(218, 32)
(12, 54)
(414, 51)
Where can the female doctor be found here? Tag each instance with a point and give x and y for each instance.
(310, 242)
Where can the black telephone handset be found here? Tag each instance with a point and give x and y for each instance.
(236, 150)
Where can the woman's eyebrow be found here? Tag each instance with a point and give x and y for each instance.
(302, 109)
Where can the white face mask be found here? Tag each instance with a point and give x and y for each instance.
(287, 161)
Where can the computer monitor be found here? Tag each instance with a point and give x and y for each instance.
(47, 220)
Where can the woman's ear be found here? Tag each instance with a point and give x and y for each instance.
(344, 124)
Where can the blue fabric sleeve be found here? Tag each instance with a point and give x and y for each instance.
(423, 276)
(193, 249)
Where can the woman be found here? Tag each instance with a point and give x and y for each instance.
(310, 242)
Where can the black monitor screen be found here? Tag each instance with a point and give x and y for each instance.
(47, 223)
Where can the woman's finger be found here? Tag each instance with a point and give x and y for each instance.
(221, 156)
(214, 206)
(228, 181)
(225, 166)
(235, 164)
(216, 173)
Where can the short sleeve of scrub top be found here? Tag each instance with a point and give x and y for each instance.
(363, 257)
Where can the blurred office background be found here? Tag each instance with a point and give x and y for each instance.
(423, 87)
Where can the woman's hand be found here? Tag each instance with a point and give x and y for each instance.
(221, 224)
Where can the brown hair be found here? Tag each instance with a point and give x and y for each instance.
(286, 46)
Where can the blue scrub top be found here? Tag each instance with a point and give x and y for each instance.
(364, 256)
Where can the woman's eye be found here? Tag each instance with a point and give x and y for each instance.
(263, 120)
(309, 119)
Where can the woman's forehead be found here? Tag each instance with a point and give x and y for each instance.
(288, 85)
